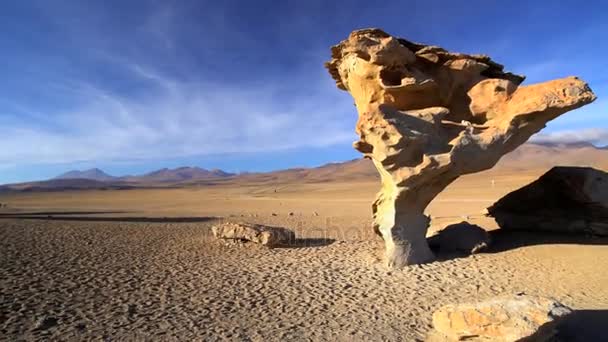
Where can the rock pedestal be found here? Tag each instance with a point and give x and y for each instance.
(427, 116)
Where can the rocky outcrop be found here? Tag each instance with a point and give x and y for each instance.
(427, 116)
(460, 237)
(264, 235)
(563, 200)
(518, 318)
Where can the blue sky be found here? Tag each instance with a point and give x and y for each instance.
(132, 86)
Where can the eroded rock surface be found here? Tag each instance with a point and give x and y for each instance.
(563, 200)
(518, 318)
(427, 116)
(264, 235)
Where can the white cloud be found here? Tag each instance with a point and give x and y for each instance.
(591, 135)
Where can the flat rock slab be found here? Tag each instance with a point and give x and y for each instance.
(517, 318)
(563, 200)
(264, 235)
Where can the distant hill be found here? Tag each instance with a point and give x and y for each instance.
(531, 156)
(64, 185)
(177, 175)
(93, 174)
(349, 170)
(578, 144)
(545, 156)
(160, 176)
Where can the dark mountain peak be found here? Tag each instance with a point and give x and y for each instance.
(91, 174)
(189, 168)
(573, 144)
(179, 174)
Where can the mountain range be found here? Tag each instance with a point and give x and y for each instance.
(160, 176)
(94, 174)
(527, 157)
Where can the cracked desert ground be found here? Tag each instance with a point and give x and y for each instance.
(145, 266)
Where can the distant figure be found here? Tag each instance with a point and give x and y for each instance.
(493, 183)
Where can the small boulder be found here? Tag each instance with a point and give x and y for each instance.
(518, 318)
(461, 237)
(264, 235)
(563, 200)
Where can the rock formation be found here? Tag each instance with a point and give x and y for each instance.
(427, 116)
(264, 235)
(519, 318)
(563, 200)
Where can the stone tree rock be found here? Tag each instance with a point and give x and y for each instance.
(427, 116)
(563, 200)
(518, 318)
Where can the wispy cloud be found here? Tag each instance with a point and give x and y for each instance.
(592, 135)
(176, 119)
(146, 111)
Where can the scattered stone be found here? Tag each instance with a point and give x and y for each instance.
(516, 318)
(46, 323)
(314, 213)
(428, 116)
(563, 200)
(274, 214)
(291, 214)
(265, 235)
(461, 237)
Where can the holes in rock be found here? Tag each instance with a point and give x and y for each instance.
(391, 77)
(364, 55)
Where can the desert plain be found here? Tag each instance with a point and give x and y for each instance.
(142, 264)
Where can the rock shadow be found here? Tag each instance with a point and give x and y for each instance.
(77, 216)
(46, 213)
(459, 240)
(505, 240)
(307, 243)
(463, 239)
(583, 326)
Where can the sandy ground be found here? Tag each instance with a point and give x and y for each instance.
(149, 269)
